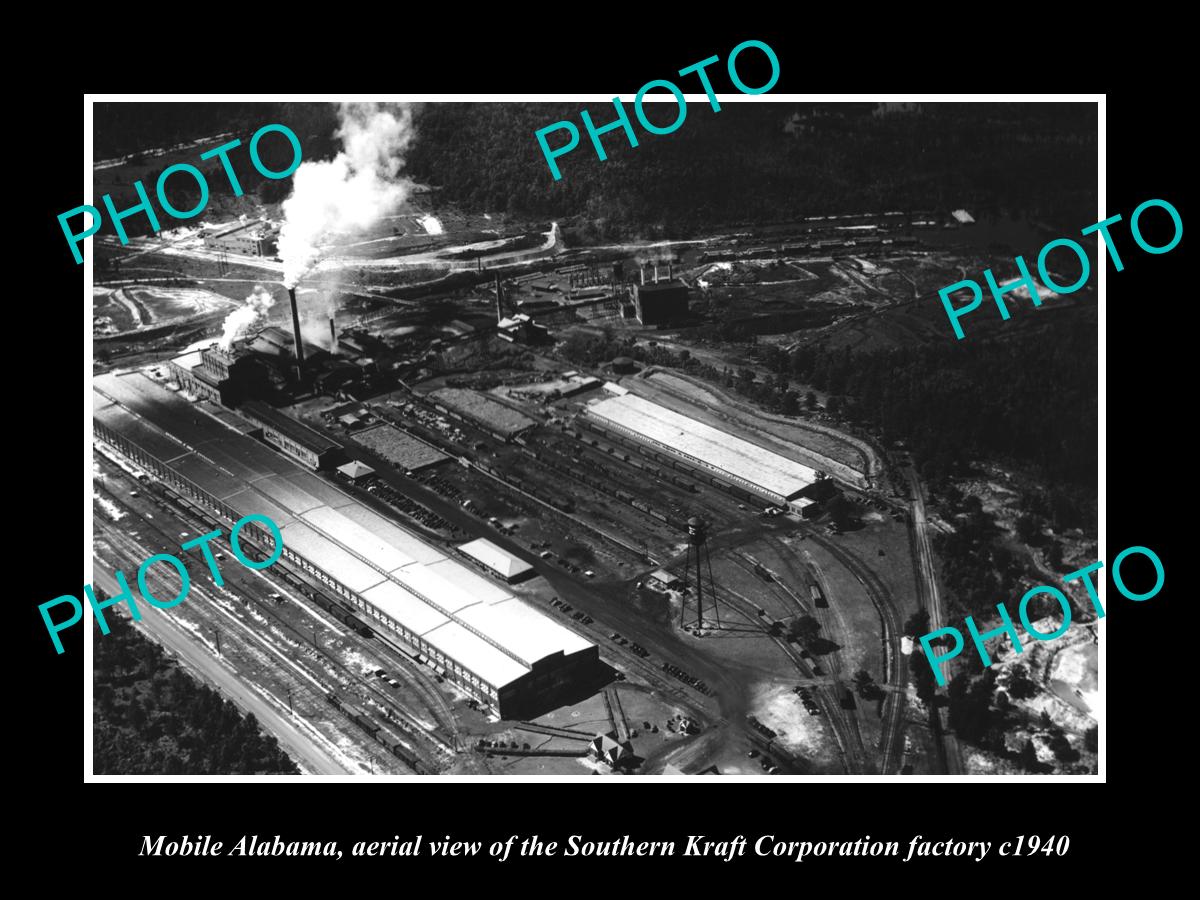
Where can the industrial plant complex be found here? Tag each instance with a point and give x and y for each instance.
(478, 635)
(571, 496)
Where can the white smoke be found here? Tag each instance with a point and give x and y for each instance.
(246, 318)
(354, 190)
(319, 308)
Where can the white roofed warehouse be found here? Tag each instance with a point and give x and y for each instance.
(732, 460)
(471, 629)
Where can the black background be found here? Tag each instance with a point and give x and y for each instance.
(1149, 464)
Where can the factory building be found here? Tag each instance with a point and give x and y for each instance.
(660, 303)
(521, 329)
(214, 374)
(275, 341)
(702, 449)
(471, 630)
(482, 411)
(294, 438)
(247, 238)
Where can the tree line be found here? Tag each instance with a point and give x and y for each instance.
(150, 717)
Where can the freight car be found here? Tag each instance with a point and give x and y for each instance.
(360, 718)
(356, 624)
(402, 753)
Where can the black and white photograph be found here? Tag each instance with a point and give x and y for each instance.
(476, 439)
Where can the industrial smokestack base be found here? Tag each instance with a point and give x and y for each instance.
(299, 348)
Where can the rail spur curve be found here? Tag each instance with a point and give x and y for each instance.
(881, 598)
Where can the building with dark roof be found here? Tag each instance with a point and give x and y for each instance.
(291, 436)
(481, 410)
(661, 302)
(275, 341)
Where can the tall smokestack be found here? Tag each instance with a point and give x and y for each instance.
(670, 271)
(499, 295)
(332, 336)
(296, 333)
(656, 273)
(642, 269)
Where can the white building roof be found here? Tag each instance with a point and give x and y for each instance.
(732, 455)
(522, 629)
(496, 558)
(411, 582)
(329, 557)
(401, 606)
(480, 657)
(366, 545)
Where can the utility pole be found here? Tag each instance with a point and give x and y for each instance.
(217, 633)
(290, 701)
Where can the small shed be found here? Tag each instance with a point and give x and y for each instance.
(355, 471)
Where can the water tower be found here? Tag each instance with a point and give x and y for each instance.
(698, 559)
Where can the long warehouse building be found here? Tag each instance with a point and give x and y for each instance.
(502, 651)
(731, 459)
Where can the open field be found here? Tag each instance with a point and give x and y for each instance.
(140, 308)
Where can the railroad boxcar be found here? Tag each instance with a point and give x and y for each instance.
(356, 624)
(818, 598)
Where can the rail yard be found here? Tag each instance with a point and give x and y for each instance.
(534, 521)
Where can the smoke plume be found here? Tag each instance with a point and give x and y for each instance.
(353, 190)
(246, 318)
(319, 308)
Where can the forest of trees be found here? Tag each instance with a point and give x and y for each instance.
(1032, 401)
(742, 165)
(718, 169)
(152, 718)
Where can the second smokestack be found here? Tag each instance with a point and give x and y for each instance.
(296, 332)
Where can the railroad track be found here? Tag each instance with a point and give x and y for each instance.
(553, 731)
(621, 721)
(409, 727)
(845, 735)
(832, 661)
(893, 713)
(317, 691)
(297, 677)
(418, 678)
